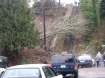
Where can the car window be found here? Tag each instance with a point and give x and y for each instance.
(53, 73)
(1, 60)
(35, 72)
(5, 60)
(62, 59)
(84, 57)
(47, 72)
(88, 55)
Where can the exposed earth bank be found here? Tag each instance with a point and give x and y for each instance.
(32, 56)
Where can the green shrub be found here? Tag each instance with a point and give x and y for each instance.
(25, 61)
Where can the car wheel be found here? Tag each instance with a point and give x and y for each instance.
(76, 75)
(91, 65)
(64, 74)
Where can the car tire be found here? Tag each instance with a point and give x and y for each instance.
(78, 66)
(64, 74)
(76, 75)
(91, 65)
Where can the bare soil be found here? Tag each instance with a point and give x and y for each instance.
(36, 56)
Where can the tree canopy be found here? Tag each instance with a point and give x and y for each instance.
(87, 8)
(103, 9)
(16, 27)
(47, 4)
(91, 10)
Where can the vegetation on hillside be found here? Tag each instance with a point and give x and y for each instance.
(92, 13)
(102, 9)
(93, 10)
(64, 22)
(16, 28)
(43, 4)
(69, 29)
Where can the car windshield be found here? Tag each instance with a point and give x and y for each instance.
(62, 59)
(22, 73)
(84, 57)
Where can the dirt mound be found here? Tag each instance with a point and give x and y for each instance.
(35, 56)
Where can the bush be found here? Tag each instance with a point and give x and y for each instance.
(25, 61)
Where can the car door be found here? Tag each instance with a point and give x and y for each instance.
(50, 73)
(54, 74)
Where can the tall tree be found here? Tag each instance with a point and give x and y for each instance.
(16, 27)
(91, 10)
(102, 8)
(87, 8)
(48, 4)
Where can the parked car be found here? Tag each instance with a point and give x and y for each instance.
(85, 60)
(64, 64)
(30, 71)
(92, 58)
(4, 63)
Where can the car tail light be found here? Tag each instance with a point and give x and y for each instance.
(51, 65)
(75, 66)
(88, 60)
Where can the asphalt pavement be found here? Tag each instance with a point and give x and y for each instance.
(90, 72)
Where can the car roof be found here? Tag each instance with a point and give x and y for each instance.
(64, 54)
(2, 69)
(28, 66)
(69, 54)
(3, 57)
(84, 56)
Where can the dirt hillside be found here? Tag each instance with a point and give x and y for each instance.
(34, 56)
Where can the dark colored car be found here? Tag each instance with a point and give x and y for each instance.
(4, 63)
(92, 58)
(65, 64)
(85, 61)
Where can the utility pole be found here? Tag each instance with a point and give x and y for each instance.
(44, 28)
(95, 18)
(59, 2)
(74, 3)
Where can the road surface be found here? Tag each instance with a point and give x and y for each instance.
(91, 72)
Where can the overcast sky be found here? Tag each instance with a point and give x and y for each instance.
(67, 1)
